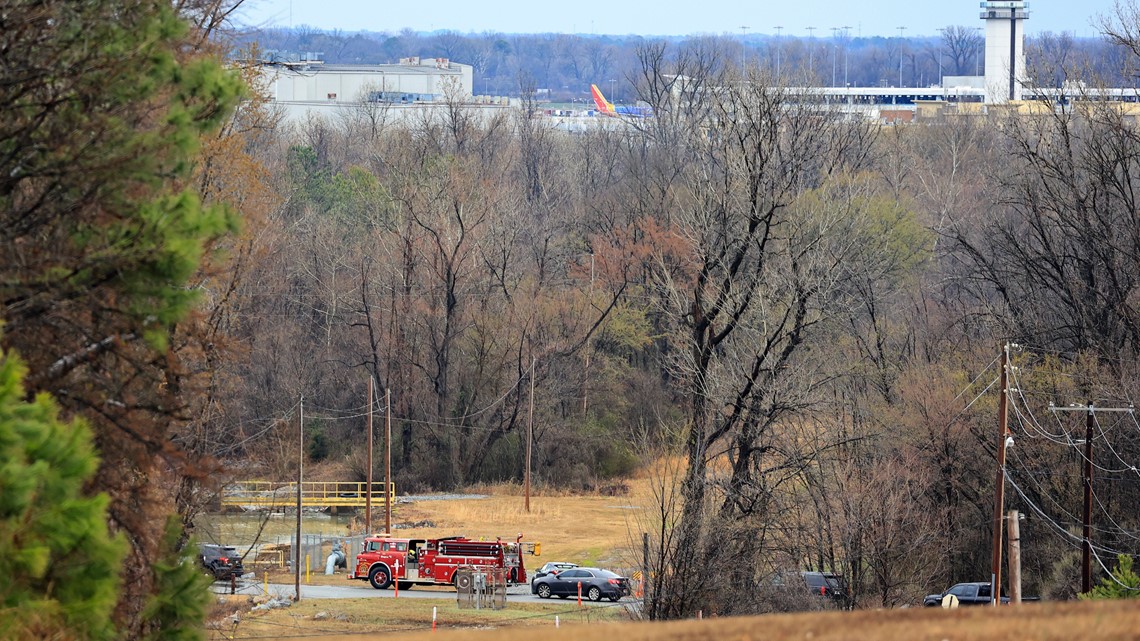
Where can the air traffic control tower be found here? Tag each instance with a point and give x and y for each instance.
(1005, 49)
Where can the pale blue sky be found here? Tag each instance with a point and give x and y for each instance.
(663, 17)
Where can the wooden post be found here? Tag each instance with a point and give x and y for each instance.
(368, 488)
(300, 480)
(1014, 557)
(388, 463)
(645, 575)
(1086, 552)
(999, 484)
(529, 437)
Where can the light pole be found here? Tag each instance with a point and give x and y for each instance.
(779, 33)
(977, 69)
(811, 52)
(901, 30)
(941, 43)
(845, 32)
(834, 51)
(743, 49)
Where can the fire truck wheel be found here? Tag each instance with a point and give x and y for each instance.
(463, 582)
(514, 578)
(379, 577)
(544, 591)
(595, 594)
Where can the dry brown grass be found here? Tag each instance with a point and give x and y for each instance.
(340, 617)
(1102, 621)
(588, 530)
(598, 530)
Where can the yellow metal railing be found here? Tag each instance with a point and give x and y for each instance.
(313, 494)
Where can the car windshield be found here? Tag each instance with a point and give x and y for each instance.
(964, 589)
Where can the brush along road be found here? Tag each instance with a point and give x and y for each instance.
(515, 594)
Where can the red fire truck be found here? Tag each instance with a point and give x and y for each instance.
(433, 561)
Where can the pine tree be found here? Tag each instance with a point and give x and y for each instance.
(182, 597)
(1123, 584)
(59, 562)
(102, 107)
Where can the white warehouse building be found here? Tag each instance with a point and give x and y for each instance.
(309, 86)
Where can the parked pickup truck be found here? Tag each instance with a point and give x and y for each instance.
(977, 593)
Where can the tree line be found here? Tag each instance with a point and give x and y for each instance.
(789, 319)
(564, 66)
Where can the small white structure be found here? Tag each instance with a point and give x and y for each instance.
(1005, 49)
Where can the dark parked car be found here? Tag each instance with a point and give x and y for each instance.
(595, 583)
(553, 567)
(222, 561)
(829, 585)
(977, 593)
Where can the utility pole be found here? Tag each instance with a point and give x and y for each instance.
(368, 489)
(1086, 553)
(999, 487)
(1014, 556)
(388, 462)
(300, 479)
(529, 436)
(1087, 479)
(586, 373)
(645, 572)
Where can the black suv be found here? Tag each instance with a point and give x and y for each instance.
(222, 561)
(828, 585)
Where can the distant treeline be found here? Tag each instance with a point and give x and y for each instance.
(567, 64)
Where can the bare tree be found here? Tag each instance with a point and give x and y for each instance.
(962, 46)
(1051, 54)
(744, 290)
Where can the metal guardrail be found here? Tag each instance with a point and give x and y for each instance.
(269, 494)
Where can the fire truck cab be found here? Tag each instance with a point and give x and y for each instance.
(433, 561)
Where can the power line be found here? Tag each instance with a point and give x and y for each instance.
(1065, 534)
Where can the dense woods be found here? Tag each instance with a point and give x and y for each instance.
(790, 320)
(793, 319)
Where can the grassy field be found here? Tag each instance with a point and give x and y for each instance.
(588, 530)
(340, 617)
(410, 620)
(601, 530)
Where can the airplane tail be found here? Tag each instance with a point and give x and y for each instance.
(604, 105)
